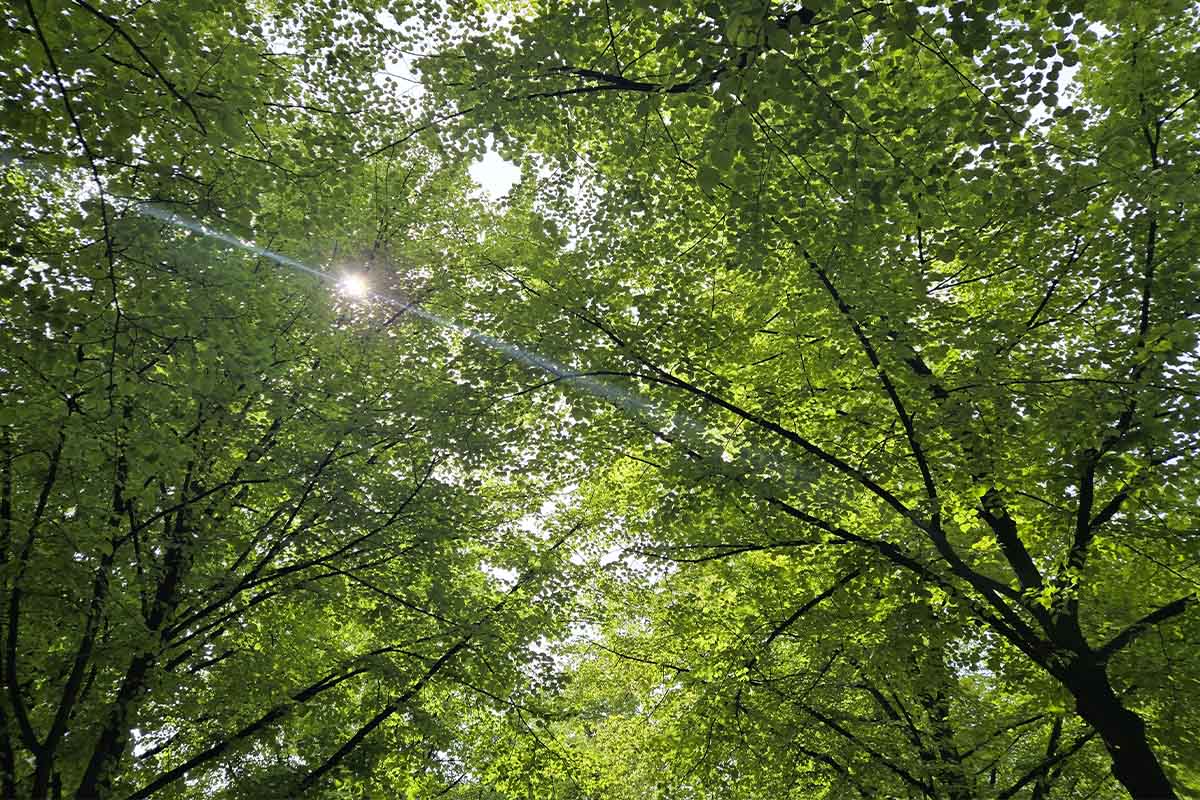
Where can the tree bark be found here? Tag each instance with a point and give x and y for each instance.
(113, 740)
(1123, 732)
(114, 736)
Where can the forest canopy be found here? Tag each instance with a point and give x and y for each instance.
(816, 417)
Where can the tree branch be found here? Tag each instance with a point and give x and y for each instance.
(993, 512)
(120, 31)
(24, 726)
(442, 661)
(274, 715)
(1046, 764)
(804, 609)
(1125, 637)
(1012, 627)
(906, 419)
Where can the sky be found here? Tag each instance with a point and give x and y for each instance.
(494, 175)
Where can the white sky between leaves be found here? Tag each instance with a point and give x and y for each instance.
(493, 174)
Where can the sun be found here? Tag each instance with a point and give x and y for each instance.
(353, 284)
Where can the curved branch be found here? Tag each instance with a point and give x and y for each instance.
(1125, 637)
(117, 29)
(906, 419)
(666, 378)
(274, 715)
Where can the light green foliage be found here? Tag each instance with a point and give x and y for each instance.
(897, 286)
(247, 523)
(826, 386)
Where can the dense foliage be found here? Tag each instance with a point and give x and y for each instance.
(816, 418)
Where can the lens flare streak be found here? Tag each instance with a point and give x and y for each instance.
(692, 433)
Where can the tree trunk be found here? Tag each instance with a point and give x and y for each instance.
(114, 735)
(950, 773)
(1123, 732)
